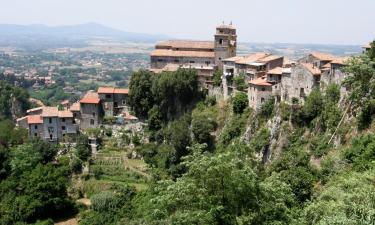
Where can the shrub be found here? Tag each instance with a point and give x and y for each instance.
(240, 102)
(266, 110)
(239, 82)
(104, 202)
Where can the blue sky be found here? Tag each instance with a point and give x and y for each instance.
(292, 21)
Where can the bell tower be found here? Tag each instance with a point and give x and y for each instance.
(225, 43)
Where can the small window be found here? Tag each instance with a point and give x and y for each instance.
(176, 61)
(74, 115)
(107, 96)
(74, 121)
(50, 136)
(262, 100)
(220, 41)
(160, 60)
(263, 89)
(208, 63)
(192, 62)
(50, 120)
(63, 128)
(63, 120)
(93, 114)
(36, 127)
(92, 122)
(35, 134)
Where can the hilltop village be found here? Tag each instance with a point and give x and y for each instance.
(266, 76)
(203, 133)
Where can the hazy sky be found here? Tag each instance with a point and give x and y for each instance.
(297, 21)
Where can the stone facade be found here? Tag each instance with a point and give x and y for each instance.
(294, 83)
(204, 56)
(113, 100)
(51, 124)
(252, 66)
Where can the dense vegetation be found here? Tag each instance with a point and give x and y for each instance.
(209, 162)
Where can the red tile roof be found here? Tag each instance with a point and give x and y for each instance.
(65, 114)
(186, 44)
(323, 56)
(172, 53)
(121, 91)
(261, 81)
(34, 119)
(75, 107)
(90, 98)
(277, 71)
(106, 90)
(50, 111)
(314, 70)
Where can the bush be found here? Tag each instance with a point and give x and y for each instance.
(76, 165)
(109, 120)
(266, 110)
(240, 102)
(104, 202)
(239, 82)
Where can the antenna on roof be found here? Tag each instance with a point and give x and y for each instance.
(230, 23)
(223, 22)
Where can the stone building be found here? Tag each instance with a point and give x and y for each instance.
(113, 100)
(252, 66)
(91, 110)
(294, 82)
(259, 91)
(49, 123)
(204, 56)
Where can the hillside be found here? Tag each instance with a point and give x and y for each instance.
(195, 159)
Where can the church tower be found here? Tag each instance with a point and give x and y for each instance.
(225, 43)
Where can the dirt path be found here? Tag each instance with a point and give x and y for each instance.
(71, 221)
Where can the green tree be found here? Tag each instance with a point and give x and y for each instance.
(155, 119)
(202, 128)
(240, 102)
(217, 77)
(346, 199)
(239, 82)
(140, 96)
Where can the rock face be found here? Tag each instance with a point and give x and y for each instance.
(273, 126)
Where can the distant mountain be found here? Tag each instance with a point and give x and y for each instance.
(87, 30)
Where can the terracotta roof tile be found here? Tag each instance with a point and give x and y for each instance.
(34, 119)
(277, 71)
(90, 98)
(121, 91)
(75, 107)
(314, 70)
(171, 53)
(261, 81)
(50, 111)
(323, 56)
(186, 44)
(269, 58)
(65, 114)
(106, 90)
(340, 60)
(252, 58)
